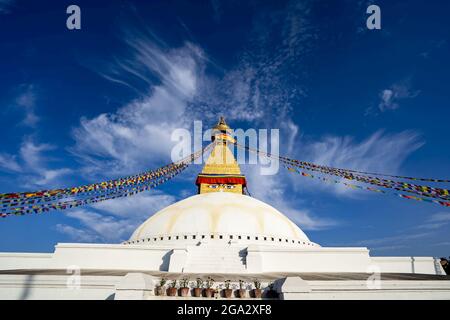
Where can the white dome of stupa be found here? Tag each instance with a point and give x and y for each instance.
(220, 216)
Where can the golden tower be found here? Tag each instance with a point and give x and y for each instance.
(221, 172)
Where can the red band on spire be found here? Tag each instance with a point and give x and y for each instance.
(221, 180)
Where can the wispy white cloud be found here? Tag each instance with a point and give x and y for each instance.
(33, 154)
(306, 219)
(26, 101)
(436, 221)
(138, 134)
(48, 177)
(79, 235)
(292, 132)
(265, 83)
(5, 6)
(174, 90)
(390, 247)
(104, 226)
(393, 240)
(36, 170)
(138, 207)
(442, 243)
(432, 46)
(390, 98)
(440, 217)
(380, 152)
(114, 220)
(32, 164)
(408, 237)
(9, 162)
(274, 190)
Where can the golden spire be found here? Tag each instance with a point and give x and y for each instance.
(221, 172)
(221, 132)
(222, 125)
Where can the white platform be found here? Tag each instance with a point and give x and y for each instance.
(103, 266)
(210, 257)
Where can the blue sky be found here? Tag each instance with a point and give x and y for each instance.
(101, 102)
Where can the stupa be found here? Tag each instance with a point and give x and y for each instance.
(223, 233)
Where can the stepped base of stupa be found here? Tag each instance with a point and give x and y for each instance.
(103, 271)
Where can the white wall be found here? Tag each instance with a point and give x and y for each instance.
(13, 260)
(259, 259)
(387, 290)
(49, 287)
(92, 257)
(103, 258)
(114, 257)
(425, 265)
(307, 260)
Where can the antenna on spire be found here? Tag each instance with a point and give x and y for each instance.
(222, 125)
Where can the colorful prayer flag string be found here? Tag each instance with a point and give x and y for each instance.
(437, 195)
(37, 203)
(97, 187)
(354, 186)
(76, 203)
